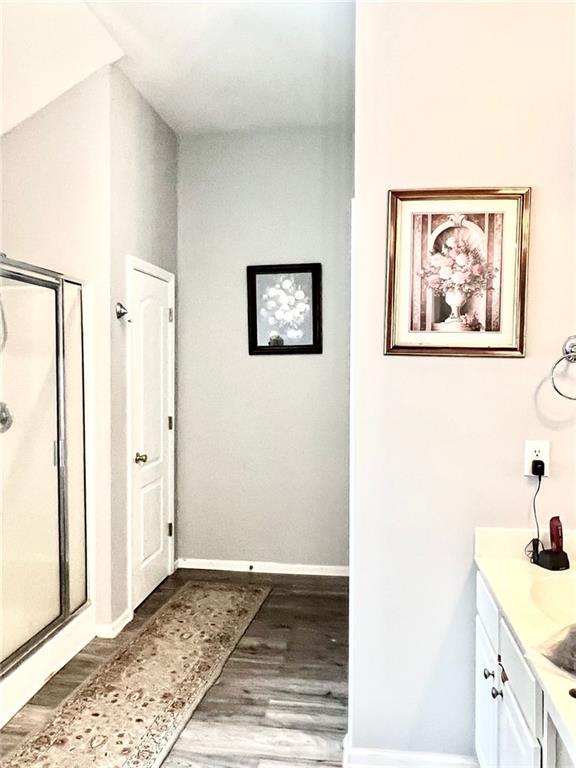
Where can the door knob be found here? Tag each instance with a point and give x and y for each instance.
(487, 674)
(140, 458)
(495, 693)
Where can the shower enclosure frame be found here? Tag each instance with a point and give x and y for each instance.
(46, 278)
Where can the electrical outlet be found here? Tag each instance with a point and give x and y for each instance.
(536, 449)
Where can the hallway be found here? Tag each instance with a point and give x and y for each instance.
(281, 698)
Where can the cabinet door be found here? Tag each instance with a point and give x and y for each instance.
(518, 748)
(487, 677)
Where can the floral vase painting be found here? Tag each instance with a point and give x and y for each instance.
(456, 274)
(456, 271)
(284, 309)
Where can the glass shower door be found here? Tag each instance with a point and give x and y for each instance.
(31, 533)
(75, 468)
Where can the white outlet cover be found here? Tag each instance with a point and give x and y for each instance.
(536, 449)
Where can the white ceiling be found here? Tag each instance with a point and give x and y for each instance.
(46, 48)
(221, 66)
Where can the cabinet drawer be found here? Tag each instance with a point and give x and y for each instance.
(521, 680)
(517, 746)
(487, 610)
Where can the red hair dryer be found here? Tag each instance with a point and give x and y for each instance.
(554, 559)
(556, 538)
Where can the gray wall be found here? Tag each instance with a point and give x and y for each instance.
(262, 441)
(438, 442)
(143, 167)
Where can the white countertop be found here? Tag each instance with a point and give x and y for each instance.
(510, 576)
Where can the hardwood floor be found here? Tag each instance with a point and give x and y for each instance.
(282, 696)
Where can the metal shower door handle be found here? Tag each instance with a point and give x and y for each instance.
(140, 458)
(6, 418)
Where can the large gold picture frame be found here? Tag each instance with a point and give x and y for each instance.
(457, 271)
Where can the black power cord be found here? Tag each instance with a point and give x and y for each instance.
(534, 546)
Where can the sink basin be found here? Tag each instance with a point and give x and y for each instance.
(555, 596)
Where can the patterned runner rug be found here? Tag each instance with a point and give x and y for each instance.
(129, 713)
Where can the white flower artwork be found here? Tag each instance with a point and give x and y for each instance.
(284, 303)
(284, 309)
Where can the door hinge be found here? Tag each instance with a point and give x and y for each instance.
(170, 315)
(170, 529)
(170, 422)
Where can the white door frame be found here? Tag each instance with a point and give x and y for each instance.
(134, 264)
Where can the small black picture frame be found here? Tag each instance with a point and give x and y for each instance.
(284, 309)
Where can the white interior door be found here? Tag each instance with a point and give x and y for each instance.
(152, 444)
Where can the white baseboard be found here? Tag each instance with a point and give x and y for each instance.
(25, 680)
(389, 758)
(115, 627)
(298, 569)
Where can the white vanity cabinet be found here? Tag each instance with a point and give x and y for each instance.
(525, 708)
(486, 706)
(509, 712)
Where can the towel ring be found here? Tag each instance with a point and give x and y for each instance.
(569, 355)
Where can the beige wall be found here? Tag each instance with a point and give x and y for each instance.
(88, 180)
(55, 205)
(450, 94)
(143, 168)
